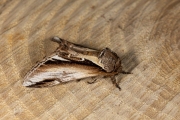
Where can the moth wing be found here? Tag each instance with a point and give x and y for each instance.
(106, 58)
(46, 82)
(55, 70)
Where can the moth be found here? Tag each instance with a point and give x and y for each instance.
(74, 62)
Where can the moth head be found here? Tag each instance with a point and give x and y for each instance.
(110, 60)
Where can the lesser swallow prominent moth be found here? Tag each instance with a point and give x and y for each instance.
(73, 62)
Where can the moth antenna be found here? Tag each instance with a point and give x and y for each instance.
(113, 79)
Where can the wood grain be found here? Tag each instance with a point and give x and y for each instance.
(144, 33)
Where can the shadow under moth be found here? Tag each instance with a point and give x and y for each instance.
(74, 62)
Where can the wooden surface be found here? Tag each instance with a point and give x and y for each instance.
(144, 33)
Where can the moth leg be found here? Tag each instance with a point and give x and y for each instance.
(124, 72)
(113, 79)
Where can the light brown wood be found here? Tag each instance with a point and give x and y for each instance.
(144, 33)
